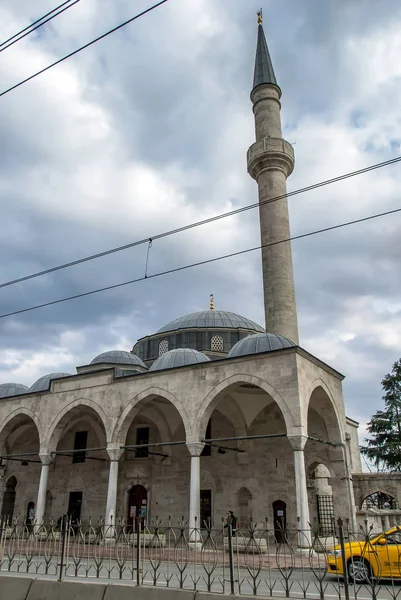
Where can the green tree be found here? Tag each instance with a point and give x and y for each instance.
(383, 448)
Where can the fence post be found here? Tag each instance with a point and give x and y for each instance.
(343, 557)
(64, 522)
(138, 549)
(231, 557)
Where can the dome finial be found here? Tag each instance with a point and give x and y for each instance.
(260, 17)
(211, 302)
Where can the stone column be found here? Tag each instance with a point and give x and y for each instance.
(350, 488)
(298, 444)
(195, 450)
(41, 499)
(114, 455)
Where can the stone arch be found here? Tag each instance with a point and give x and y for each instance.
(377, 490)
(123, 424)
(334, 428)
(210, 402)
(58, 423)
(12, 419)
(316, 463)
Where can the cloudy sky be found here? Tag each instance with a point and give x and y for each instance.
(148, 130)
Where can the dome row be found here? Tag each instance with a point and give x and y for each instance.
(180, 357)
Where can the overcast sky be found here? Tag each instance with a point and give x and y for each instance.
(148, 130)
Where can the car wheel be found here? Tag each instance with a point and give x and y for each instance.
(359, 570)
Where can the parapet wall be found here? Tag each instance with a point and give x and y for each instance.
(21, 588)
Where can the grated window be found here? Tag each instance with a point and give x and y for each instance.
(217, 343)
(163, 347)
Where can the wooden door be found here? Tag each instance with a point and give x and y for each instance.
(279, 520)
(205, 507)
(137, 505)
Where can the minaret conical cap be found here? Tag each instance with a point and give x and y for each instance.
(264, 72)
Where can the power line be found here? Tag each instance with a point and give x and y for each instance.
(60, 60)
(200, 263)
(36, 24)
(199, 223)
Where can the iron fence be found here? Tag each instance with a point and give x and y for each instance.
(303, 564)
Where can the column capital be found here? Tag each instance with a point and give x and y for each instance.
(115, 454)
(46, 458)
(195, 448)
(298, 441)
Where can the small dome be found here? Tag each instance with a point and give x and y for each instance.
(12, 389)
(119, 357)
(43, 384)
(211, 319)
(259, 342)
(178, 358)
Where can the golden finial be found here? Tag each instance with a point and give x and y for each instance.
(260, 17)
(211, 302)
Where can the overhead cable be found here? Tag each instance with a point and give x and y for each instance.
(200, 263)
(100, 37)
(231, 213)
(36, 24)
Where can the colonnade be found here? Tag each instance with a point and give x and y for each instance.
(195, 449)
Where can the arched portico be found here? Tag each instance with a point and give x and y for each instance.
(17, 418)
(213, 398)
(19, 446)
(325, 447)
(149, 439)
(71, 411)
(137, 403)
(75, 462)
(257, 411)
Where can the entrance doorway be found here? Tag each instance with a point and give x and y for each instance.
(30, 514)
(7, 509)
(205, 507)
(279, 520)
(75, 507)
(137, 505)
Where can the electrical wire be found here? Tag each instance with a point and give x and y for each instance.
(36, 24)
(231, 213)
(200, 263)
(100, 37)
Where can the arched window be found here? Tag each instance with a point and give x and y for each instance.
(380, 500)
(163, 347)
(217, 343)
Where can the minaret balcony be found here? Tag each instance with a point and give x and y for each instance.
(268, 154)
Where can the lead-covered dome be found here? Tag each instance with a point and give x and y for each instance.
(120, 357)
(12, 389)
(209, 319)
(260, 342)
(43, 384)
(180, 357)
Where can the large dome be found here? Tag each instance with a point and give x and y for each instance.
(120, 357)
(209, 319)
(12, 389)
(180, 357)
(260, 342)
(43, 384)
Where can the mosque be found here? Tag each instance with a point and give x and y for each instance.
(210, 413)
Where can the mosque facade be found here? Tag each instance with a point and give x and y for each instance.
(211, 413)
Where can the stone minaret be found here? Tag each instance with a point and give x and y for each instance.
(270, 162)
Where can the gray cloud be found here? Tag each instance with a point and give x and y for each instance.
(148, 130)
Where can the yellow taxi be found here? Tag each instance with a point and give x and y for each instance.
(378, 556)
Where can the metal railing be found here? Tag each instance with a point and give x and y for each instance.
(257, 559)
